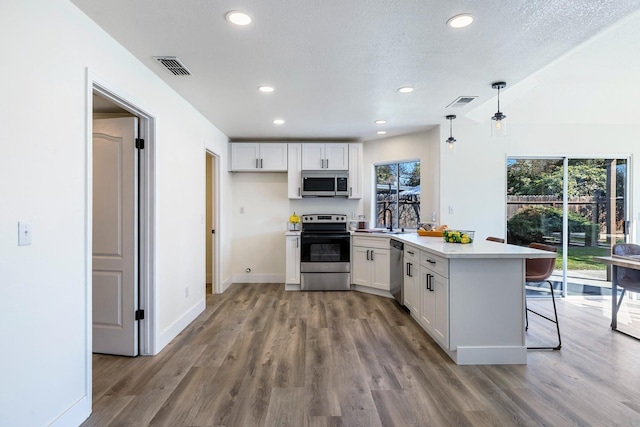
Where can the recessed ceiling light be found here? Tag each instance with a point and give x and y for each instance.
(278, 122)
(380, 122)
(460, 21)
(238, 18)
(405, 89)
(266, 89)
(381, 132)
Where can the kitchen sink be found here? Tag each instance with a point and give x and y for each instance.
(383, 231)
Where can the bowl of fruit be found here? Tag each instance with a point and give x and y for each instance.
(458, 236)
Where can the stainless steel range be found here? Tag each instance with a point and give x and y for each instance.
(325, 253)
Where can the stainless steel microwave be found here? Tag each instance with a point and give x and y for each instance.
(325, 183)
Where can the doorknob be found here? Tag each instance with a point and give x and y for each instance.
(213, 231)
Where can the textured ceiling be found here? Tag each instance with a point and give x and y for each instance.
(336, 64)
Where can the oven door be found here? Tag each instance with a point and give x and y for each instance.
(324, 252)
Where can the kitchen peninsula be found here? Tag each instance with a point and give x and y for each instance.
(470, 297)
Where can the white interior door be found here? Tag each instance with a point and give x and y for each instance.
(115, 236)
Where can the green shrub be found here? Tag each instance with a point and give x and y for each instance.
(532, 223)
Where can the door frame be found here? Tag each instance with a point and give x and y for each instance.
(147, 297)
(215, 200)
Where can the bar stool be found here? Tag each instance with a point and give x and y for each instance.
(539, 270)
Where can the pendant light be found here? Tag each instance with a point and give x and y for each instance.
(451, 140)
(498, 124)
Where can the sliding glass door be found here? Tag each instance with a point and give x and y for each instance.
(577, 205)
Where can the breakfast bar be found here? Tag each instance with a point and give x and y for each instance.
(470, 297)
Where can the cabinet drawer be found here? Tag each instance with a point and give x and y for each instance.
(435, 263)
(411, 254)
(371, 242)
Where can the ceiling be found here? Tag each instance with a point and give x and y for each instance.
(336, 65)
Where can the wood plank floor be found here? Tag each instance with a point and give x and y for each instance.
(260, 356)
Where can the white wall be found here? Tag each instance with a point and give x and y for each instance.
(44, 287)
(259, 232)
(423, 146)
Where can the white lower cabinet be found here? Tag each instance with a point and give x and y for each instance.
(434, 297)
(292, 266)
(370, 262)
(411, 282)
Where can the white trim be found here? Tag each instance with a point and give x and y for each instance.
(372, 291)
(179, 325)
(490, 355)
(75, 415)
(258, 278)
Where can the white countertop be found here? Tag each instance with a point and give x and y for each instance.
(477, 249)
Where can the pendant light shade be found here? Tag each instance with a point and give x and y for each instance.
(451, 140)
(498, 123)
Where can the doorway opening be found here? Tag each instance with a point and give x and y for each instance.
(103, 103)
(212, 234)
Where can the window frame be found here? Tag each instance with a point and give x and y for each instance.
(376, 223)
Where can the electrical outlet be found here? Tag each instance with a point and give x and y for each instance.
(24, 233)
(451, 210)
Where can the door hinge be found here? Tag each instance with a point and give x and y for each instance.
(139, 315)
(139, 143)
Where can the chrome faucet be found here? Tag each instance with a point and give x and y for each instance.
(384, 216)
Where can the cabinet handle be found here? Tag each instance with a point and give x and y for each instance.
(298, 191)
(260, 163)
(410, 253)
(371, 254)
(297, 242)
(350, 191)
(256, 163)
(431, 283)
(427, 283)
(430, 261)
(368, 255)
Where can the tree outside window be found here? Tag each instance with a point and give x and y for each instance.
(398, 195)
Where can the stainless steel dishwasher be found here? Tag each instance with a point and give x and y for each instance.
(396, 286)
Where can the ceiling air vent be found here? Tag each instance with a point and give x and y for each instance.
(173, 64)
(461, 101)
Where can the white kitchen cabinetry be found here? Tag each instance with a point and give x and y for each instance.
(355, 171)
(292, 254)
(434, 296)
(294, 175)
(330, 156)
(370, 262)
(258, 157)
(411, 281)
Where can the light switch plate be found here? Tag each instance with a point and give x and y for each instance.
(24, 233)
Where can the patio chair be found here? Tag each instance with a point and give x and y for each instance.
(628, 278)
(539, 270)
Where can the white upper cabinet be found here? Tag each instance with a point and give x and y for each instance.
(329, 156)
(258, 157)
(294, 177)
(355, 171)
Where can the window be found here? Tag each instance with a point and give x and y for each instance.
(398, 195)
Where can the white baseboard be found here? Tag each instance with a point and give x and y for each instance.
(292, 287)
(373, 291)
(258, 278)
(75, 415)
(178, 326)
